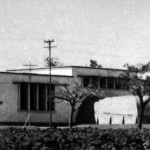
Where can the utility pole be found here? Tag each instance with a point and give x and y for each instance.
(49, 42)
(29, 89)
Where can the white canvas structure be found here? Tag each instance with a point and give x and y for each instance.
(116, 110)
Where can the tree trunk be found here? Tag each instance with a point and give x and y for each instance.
(141, 117)
(71, 117)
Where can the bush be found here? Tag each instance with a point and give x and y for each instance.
(74, 139)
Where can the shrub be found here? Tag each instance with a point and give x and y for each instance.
(74, 139)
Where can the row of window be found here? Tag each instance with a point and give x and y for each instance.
(105, 82)
(35, 97)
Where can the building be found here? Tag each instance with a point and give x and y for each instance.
(23, 92)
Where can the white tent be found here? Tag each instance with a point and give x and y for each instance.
(116, 110)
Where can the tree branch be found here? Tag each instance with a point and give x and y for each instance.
(147, 101)
(62, 98)
(68, 91)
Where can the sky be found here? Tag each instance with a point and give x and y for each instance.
(113, 32)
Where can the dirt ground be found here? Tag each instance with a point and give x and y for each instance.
(147, 126)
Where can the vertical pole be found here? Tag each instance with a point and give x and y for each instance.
(29, 91)
(46, 97)
(30, 95)
(50, 103)
(50, 100)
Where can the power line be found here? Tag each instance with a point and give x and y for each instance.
(90, 43)
(21, 39)
(123, 56)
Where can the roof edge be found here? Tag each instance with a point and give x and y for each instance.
(5, 72)
(69, 67)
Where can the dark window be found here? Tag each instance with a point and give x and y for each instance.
(86, 81)
(121, 84)
(118, 84)
(110, 83)
(38, 94)
(102, 82)
(24, 96)
(125, 84)
(33, 96)
(42, 96)
(94, 81)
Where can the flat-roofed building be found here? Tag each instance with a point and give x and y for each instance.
(23, 91)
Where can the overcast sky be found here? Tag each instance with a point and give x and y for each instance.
(113, 32)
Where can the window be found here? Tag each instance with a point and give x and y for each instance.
(110, 83)
(94, 81)
(122, 84)
(118, 84)
(86, 81)
(42, 96)
(103, 82)
(24, 96)
(34, 97)
(125, 84)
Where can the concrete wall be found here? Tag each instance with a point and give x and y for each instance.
(85, 71)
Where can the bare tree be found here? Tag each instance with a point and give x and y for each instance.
(75, 94)
(140, 86)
